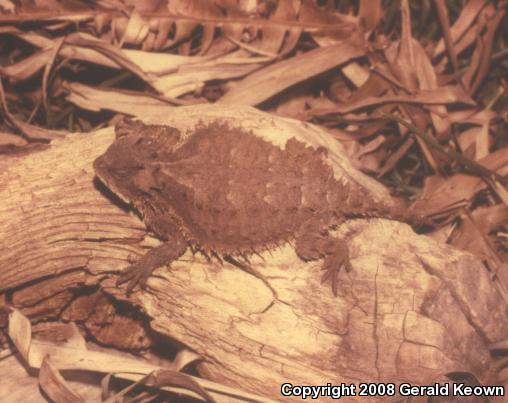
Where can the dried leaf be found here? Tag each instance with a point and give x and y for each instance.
(54, 385)
(35, 132)
(272, 39)
(7, 6)
(234, 30)
(291, 39)
(487, 41)
(136, 30)
(395, 157)
(199, 9)
(20, 332)
(404, 62)
(272, 80)
(30, 131)
(7, 139)
(442, 194)
(146, 6)
(164, 26)
(427, 80)
(191, 78)
(185, 357)
(442, 13)
(470, 35)
(357, 74)
(109, 51)
(183, 31)
(166, 377)
(47, 71)
(34, 352)
(28, 66)
(96, 99)
(364, 157)
(285, 11)
(500, 191)
(442, 95)
(465, 20)
(370, 14)
(482, 142)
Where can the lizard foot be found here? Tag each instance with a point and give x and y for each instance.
(334, 262)
(313, 241)
(134, 275)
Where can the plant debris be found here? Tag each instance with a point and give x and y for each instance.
(416, 92)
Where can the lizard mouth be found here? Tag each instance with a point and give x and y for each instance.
(115, 189)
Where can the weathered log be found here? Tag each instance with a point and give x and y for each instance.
(409, 311)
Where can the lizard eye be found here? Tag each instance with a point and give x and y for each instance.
(147, 147)
(128, 171)
(127, 126)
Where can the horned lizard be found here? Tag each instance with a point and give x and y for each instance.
(229, 193)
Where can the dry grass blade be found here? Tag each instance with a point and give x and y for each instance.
(192, 78)
(482, 144)
(449, 194)
(47, 71)
(487, 42)
(370, 14)
(442, 13)
(467, 163)
(55, 386)
(75, 356)
(250, 48)
(136, 30)
(428, 80)
(406, 58)
(27, 67)
(466, 18)
(110, 51)
(500, 191)
(166, 377)
(121, 101)
(265, 83)
(439, 96)
(30, 131)
(7, 139)
(395, 157)
(45, 16)
(472, 235)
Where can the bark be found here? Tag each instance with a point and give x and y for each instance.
(409, 311)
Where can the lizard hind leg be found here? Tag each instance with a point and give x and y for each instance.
(313, 242)
(139, 272)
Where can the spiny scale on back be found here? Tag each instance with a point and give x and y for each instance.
(229, 192)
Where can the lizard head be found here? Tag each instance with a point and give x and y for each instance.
(127, 165)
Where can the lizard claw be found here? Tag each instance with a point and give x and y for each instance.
(334, 263)
(133, 275)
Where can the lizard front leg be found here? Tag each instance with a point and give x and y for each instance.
(138, 272)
